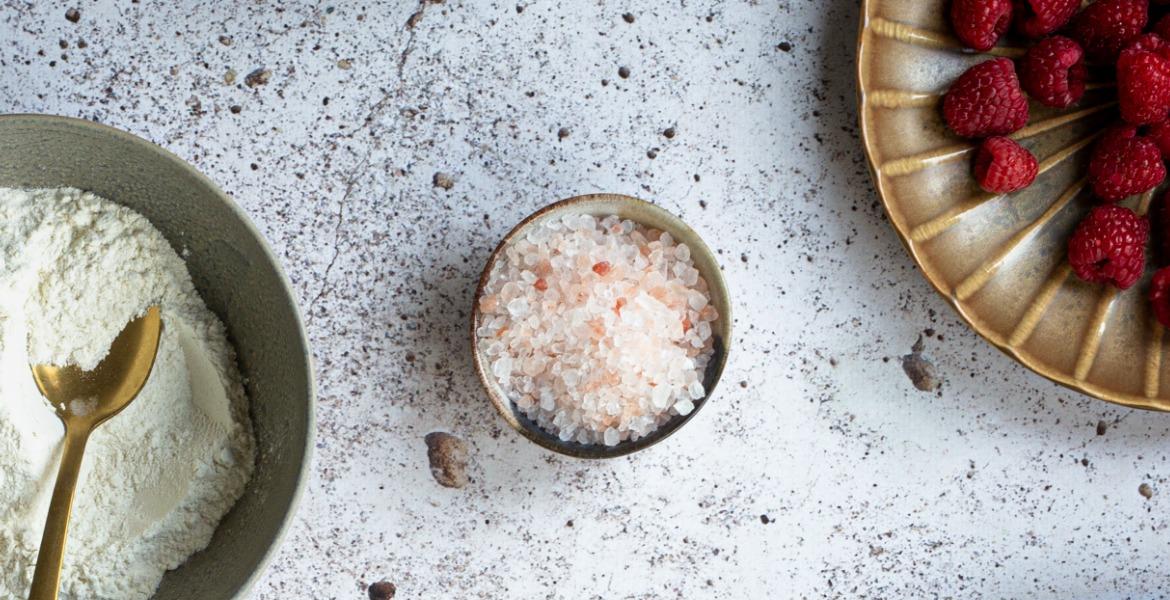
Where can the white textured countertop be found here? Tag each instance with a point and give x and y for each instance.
(816, 471)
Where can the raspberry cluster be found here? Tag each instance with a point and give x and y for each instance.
(990, 101)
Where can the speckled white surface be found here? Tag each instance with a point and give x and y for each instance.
(817, 470)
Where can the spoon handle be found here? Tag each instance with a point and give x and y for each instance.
(47, 577)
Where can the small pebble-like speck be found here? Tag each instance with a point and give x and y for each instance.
(73, 15)
(448, 456)
(443, 180)
(624, 72)
(1146, 491)
(562, 133)
(919, 369)
(226, 40)
(258, 77)
(628, 18)
(383, 590)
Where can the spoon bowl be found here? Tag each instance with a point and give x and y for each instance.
(95, 396)
(83, 400)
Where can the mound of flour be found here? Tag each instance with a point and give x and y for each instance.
(157, 479)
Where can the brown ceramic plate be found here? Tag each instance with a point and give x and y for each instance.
(1000, 260)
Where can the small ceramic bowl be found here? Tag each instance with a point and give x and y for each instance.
(649, 215)
(240, 280)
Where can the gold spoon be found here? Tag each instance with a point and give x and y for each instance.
(84, 400)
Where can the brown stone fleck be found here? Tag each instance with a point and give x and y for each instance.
(562, 133)
(628, 18)
(624, 72)
(73, 15)
(920, 370)
(226, 40)
(669, 133)
(1102, 427)
(443, 180)
(257, 77)
(383, 590)
(230, 77)
(345, 64)
(448, 457)
(1146, 491)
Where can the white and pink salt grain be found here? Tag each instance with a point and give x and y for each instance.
(599, 330)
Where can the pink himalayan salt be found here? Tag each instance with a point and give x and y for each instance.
(597, 330)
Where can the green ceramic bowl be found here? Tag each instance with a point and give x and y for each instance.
(639, 211)
(240, 280)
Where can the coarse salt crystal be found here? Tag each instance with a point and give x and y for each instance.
(597, 329)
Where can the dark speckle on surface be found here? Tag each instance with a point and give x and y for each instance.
(257, 77)
(919, 369)
(73, 15)
(448, 456)
(1146, 491)
(443, 180)
(383, 590)
(624, 72)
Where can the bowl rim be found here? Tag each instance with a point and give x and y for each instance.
(306, 466)
(503, 405)
(1023, 358)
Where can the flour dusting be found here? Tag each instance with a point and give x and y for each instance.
(157, 479)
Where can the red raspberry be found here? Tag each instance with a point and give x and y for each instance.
(1038, 18)
(1109, 246)
(1160, 295)
(986, 100)
(1124, 163)
(1160, 134)
(1053, 72)
(1150, 42)
(1003, 166)
(1107, 26)
(1143, 81)
(980, 23)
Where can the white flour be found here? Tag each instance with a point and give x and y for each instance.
(157, 479)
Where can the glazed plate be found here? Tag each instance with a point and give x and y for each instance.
(1000, 259)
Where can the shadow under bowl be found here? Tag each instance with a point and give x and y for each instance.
(646, 214)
